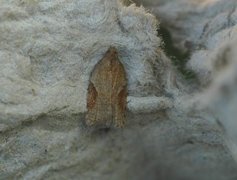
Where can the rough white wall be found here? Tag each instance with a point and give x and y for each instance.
(208, 30)
(47, 51)
(49, 48)
(221, 95)
(202, 61)
(193, 22)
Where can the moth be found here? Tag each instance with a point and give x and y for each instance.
(107, 92)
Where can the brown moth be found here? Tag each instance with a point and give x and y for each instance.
(107, 92)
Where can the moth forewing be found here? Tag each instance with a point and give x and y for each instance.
(107, 92)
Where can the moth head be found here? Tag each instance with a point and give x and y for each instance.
(112, 51)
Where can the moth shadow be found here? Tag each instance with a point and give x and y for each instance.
(95, 130)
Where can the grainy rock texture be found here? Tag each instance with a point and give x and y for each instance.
(220, 95)
(206, 29)
(196, 23)
(47, 52)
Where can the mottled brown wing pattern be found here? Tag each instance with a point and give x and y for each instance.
(107, 92)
